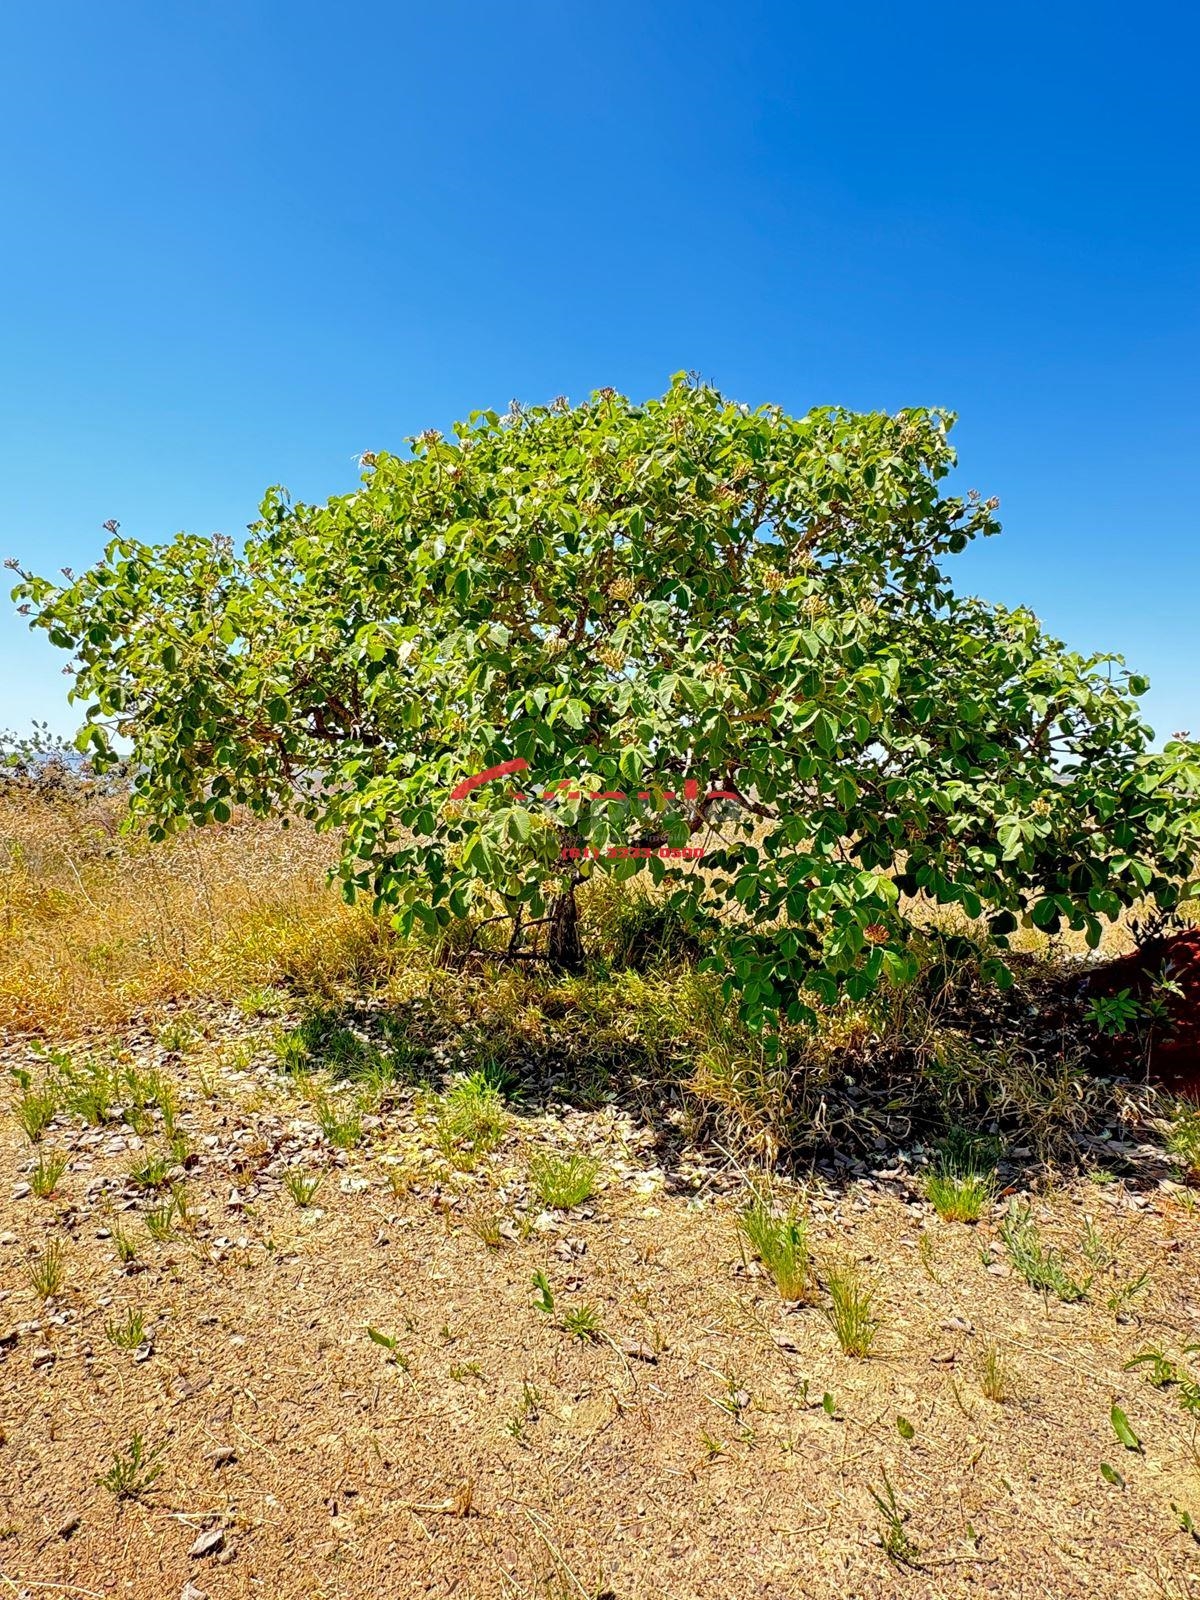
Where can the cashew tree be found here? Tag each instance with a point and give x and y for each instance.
(716, 645)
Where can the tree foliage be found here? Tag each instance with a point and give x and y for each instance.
(698, 624)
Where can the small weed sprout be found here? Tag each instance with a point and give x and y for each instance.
(993, 1375)
(926, 1257)
(583, 1323)
(1113, 1015)
(962, 1182)
(400, 1179)
(303, 1186)
(168, 1105)
(391, 1343)
(152, 1172)
(471, 1120)
(48, 1173)
(133, 1472)
(525, 1411)
(897, 1545)
(291, 1051)
(35, 1112)
(90, 1092)
(780, 1243)
(160, 1220)
(543, 1294)
(1040, 1266)
(259, 1001)
(1162, 1372)
(485, 1225)
(129, 1334)
(343, 1129)
(126, 1246)
(734, 1398)
(851, 1311)
(179, 1034)
(958, 1197)
(1124, 1294)
(1183, 1139)
(1095, 1250)
(48, 1271)
(561, 1182)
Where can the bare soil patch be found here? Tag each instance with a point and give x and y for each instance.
(360, 1396)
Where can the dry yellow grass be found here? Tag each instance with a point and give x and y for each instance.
(98, 923)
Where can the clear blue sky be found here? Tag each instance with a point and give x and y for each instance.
(247, 239)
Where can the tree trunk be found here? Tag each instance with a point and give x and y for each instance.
(564, 947)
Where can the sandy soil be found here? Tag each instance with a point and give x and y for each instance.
(710, 1442)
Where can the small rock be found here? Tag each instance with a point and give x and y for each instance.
(44, 1358)
(637, 1351)
(208, 1543)
(957, 1325)
(191, 1592)
(20, 1191)
(70, 1526)
(225, 1456)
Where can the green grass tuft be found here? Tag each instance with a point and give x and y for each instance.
(1040, 1266)
(562, 1181)
(851, 1311)
(781, 1244)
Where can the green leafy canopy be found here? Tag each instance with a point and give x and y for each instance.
(630, 597)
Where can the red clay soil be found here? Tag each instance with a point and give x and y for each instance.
(1174, 1050)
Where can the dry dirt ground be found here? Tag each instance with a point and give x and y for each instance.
(709, 1442)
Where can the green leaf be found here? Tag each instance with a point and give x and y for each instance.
(1187, 1523)
(1120, 1425)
